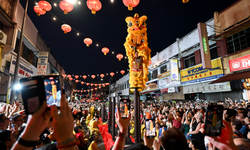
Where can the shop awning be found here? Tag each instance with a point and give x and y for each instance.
(149, 91)
(233, 76)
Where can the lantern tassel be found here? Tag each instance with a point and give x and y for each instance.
(65, 11)
(65, 32)
(38, 14)
(93, 11)
(130, 7)
(119, 59)
(88, 45)
(104, 53)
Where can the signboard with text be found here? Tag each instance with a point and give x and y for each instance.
(167, 82)
(42, 63)
(25, 69)
(239, 63)
(174, 69)
(198, 74)
(151, 86)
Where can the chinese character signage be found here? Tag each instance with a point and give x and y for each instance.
(204, 45)
(239, 63)
(198, 74)
(42, 63)
(25, 68)
(207, 88)
(174, 69)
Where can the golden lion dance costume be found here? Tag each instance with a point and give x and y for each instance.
(93, 126)
(137, 50)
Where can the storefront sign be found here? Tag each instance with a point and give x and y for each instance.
(174, 70)
(239, 63)
(207, 88)
(25, 69)
(165, 74)
(170, 90)
(151, 86)
(167, 82)
(198, 74)
(204, 45)
(42, 63)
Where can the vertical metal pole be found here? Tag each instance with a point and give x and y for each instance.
(15, 81)
(137, 115)
(103, 112)
(113, 118)
(110, 114)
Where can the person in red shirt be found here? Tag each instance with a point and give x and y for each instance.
(80, 136)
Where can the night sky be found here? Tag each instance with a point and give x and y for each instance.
(167, 20)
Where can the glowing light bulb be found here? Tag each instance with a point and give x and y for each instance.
(54, 18)
(55, 4)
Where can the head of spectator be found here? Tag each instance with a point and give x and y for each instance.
(17, 120)
(7, 138)
(173, 139)
(4, 122)
(198, 116)
(202, 110)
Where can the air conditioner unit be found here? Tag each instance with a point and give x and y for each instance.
(3, 38)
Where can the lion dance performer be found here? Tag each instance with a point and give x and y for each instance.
(137, 50)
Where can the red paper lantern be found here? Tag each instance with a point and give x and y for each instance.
(119, 56)
(66, 28)
(95, 84)
(102, 75)
(44, 5)
(88, 41)
(64, 75)
(78, 91)
(91, 89)
(87, 84)
(131, 3)
(70, 79)
(92, 76)
(95, 88)
(91, 84)
(112, 74)
(105, 50)
(84, 76)
(82, 82)
(38, 10)
(69, 76)
(185, 1)
(122, 72)
(94, 5)
(88, 90)
(99, 84)
(107, 83)
(103, 85)
(81, 91)
(84, 91)
(76, 76)
(99, 87)
(77, 81)
(66, 6)
(150, 62)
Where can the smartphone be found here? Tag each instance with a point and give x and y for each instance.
(53, 90)
(213, 121)
(150, 128)
(38, 89)
(124, 108)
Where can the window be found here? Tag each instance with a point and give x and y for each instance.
(213, 51)
(155, 74)
(189, 61)
(149, 76)
(34, 63)
(164, 69)
(17, 45)
(128, 84)
(238, 41)
(26, 53)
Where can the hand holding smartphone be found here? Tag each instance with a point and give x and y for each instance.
(124, 108)
(150, 128)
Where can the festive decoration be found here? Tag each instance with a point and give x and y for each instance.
(82, 82)
(66, 6)
(77, 81)
(87, 84)
(76, 76)
(66, 28)
(92, 76)
(100, 84)
(94, 5)
(91, 89)
(95, 84)
(131, 3)
(39, 10)
(107, 83)
(137, 50)
(112, 74)
(87, 41)
(84, 76)
(95, 88)
(185, 1)
(64, 75)
(149, 62)
(105, 50)
(91, 84)
(88, 90)
(44, 5)
(119, 56)
(70, 78)
(122, 72)
(102, 75)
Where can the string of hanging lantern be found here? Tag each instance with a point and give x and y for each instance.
(43, 6)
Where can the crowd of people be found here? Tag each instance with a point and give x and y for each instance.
(178, 126)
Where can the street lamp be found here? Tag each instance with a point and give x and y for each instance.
(15, 80)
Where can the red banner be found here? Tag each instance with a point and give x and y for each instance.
(239, 63)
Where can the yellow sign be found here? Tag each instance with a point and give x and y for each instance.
(197, 73)
(174, 69)
(165, 74)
